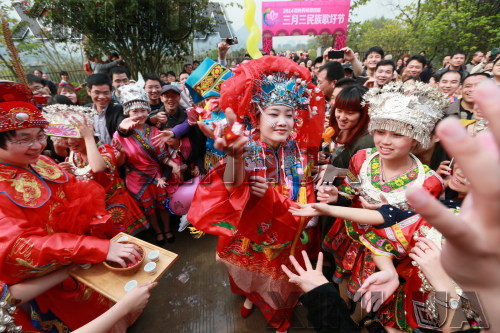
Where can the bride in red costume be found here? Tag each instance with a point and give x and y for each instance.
(245, 200)
(45, 222)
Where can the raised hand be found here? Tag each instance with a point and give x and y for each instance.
(231, 145)
(376, 289)
(128, 124)
(472, 245)
(444, 169)
(308, 278)
(161, 118)
(471, 254)
(86, 130)
(66, 165)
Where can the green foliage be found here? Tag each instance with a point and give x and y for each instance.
(390, 34)
(436, 26)
(144, 32)
(444, 26)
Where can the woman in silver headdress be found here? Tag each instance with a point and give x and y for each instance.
(402, 117)
(145, 161)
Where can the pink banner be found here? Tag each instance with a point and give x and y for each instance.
(293, 18)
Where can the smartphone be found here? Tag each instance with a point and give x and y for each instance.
(335, 54)
(232, 40)
(451, 162)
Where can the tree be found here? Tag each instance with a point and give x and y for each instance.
(144, 32)
(442, 26)
(25, 46)
(390, 34)
(436, 26)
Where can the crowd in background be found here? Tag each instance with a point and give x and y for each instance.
(142, 138)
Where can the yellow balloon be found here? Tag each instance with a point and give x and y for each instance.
(253, 38)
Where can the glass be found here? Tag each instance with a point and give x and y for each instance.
(42, 138)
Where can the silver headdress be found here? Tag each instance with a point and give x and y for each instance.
(133, 96)
(62, 117)
(280, 89)
(410, 109)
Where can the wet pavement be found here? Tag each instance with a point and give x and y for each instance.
(194, 296)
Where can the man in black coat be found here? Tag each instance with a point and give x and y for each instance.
(108, 114)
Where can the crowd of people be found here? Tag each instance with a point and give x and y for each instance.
(337, 159)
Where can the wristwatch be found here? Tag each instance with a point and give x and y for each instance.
(453, 303)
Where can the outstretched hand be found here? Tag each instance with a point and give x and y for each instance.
(327, 194)
(366, 205)
(137, 299)
(312, 209)
(308, 278)
(232, 146)
(376, 289)
(162, 138)
(128, 124)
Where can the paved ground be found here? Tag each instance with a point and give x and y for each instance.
(204, 303)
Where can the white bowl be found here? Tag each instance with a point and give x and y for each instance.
(130, 285)
(150, 268)
(154, 255)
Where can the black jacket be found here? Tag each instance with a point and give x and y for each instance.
(114, 116)
(327, 311)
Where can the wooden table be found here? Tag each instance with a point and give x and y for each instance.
(111, 284)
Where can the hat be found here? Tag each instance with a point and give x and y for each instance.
(17, 110)
(170, 87)
(347, 66)
(133, 96)
(62, 117)
(206, 80)
(410, 109)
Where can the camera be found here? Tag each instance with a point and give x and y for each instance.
(335, 54)
(232, 40)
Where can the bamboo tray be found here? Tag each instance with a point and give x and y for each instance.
(110, 284)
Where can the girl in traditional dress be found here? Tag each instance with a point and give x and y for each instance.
(402, 116)
(90, 160)
(145, 178)
(246, 199)
(426, 297)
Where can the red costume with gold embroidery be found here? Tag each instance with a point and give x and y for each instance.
(45, 223)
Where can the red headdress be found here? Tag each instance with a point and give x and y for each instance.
(17, 110)
(253, 82)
